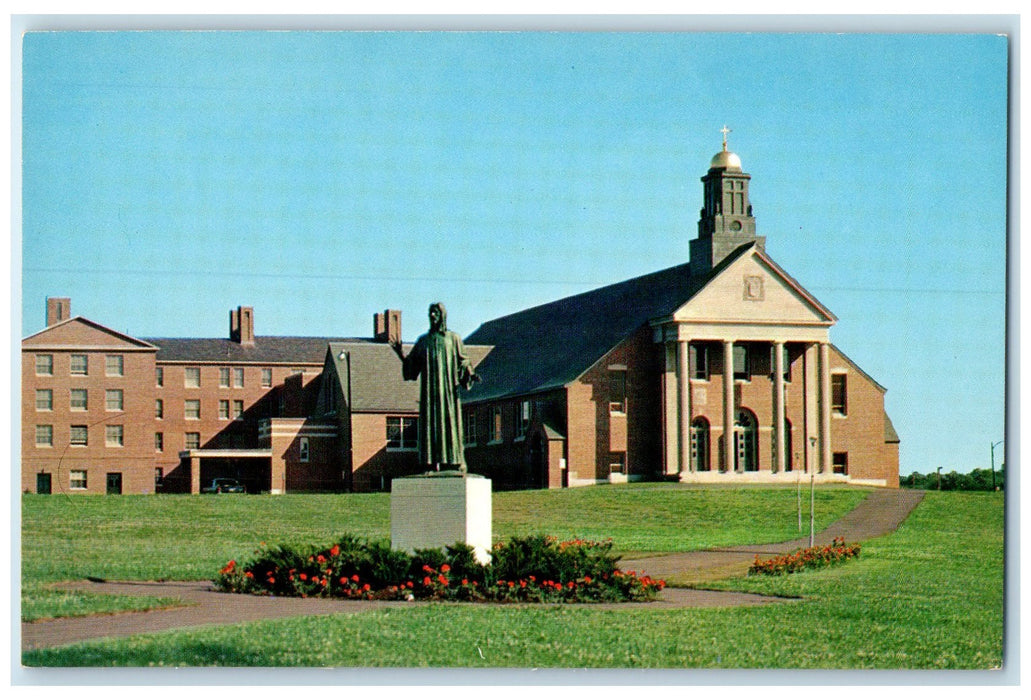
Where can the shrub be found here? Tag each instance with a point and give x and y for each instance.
(808, 558)
(534, 569)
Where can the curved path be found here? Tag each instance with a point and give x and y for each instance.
(880, 513)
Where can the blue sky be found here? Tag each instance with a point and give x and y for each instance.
(323, 176)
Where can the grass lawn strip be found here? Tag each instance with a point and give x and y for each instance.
(927, 597)
(189, 538)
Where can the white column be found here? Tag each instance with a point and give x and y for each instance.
(671, 450)
(778, 406)
(684, 405)
(825, 407)
(728, 405)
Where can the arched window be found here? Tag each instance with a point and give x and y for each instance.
(746, 452)
(700, 445)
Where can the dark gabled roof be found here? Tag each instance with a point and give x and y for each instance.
(268, 348)
(376, 381)
(549, 346)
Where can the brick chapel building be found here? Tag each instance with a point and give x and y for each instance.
(667, 376)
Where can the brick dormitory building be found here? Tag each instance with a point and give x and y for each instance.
(717, 370)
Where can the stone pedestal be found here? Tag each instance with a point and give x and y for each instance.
(441, 508)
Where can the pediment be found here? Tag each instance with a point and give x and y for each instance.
(79, 332)
(754, 289)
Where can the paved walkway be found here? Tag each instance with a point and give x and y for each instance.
(880, 513)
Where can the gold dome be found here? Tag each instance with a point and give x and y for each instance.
(726, 160)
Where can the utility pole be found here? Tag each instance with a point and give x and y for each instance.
(939, 478)
(993, 463)
(798, 492)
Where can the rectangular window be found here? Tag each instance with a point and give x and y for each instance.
(79, 400)
(159, 475)
(469, 426)
(159, 442)
(839, 394)
(742, 369)
(617, 463)
(44, 365)
(44, 436)
(159, 376)
(192, 441)
(80, 364)
(698, 359)
(79, 435)
(303, 448)
(114, 436)
(223, 377)
(223, 409)
(192, 409)
(114, 400)
(495, 424)
(402, 433)
(617, 391)
(840, 462)
(522, 419)
(238, 377)
(77, 479)
(266, 377)
(237, 409)
(115, 366)
(159, 408)
(191, 378)
(44, 399)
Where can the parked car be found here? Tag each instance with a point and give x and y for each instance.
(224, 486)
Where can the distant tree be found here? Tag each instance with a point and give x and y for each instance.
(976, 480)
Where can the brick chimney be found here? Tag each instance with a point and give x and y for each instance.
(241, 325)
(58, 309)
(387, 326)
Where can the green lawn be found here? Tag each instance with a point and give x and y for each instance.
(192, 537)
(927, 596)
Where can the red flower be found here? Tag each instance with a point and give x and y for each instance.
(304, 577)
(426, 568)
(249, 574)
(465, 582)
(443, 581)
(229, 567)
(445, 568)
(587, 579)
(355, 578)
(366, 587)
(335, 551)
(322, 559)
(427, 581)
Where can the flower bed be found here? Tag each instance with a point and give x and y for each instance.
(808, 558)
(534, 569)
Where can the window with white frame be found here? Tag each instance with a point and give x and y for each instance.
(44, 399)
(77, 479)
(114, 400)
(617, 463)
(303, 449)
(159, 376)
(192, 409)
(223, 377)
(266, 377)
(159, 408)
(192, 441)
(115, 366)
(79, 435)
(237, 409)
(80, 364)
(159, 442)
(402, 433)
(44, 365)
(191, 377)
(44, 436)
(839, 394)
(238, 377)
(698, 359)
(742, 366)
(617, 390)
(114, 436)
(79, 400)
(223, 409)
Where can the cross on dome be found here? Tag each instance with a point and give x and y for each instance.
(725, 131)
